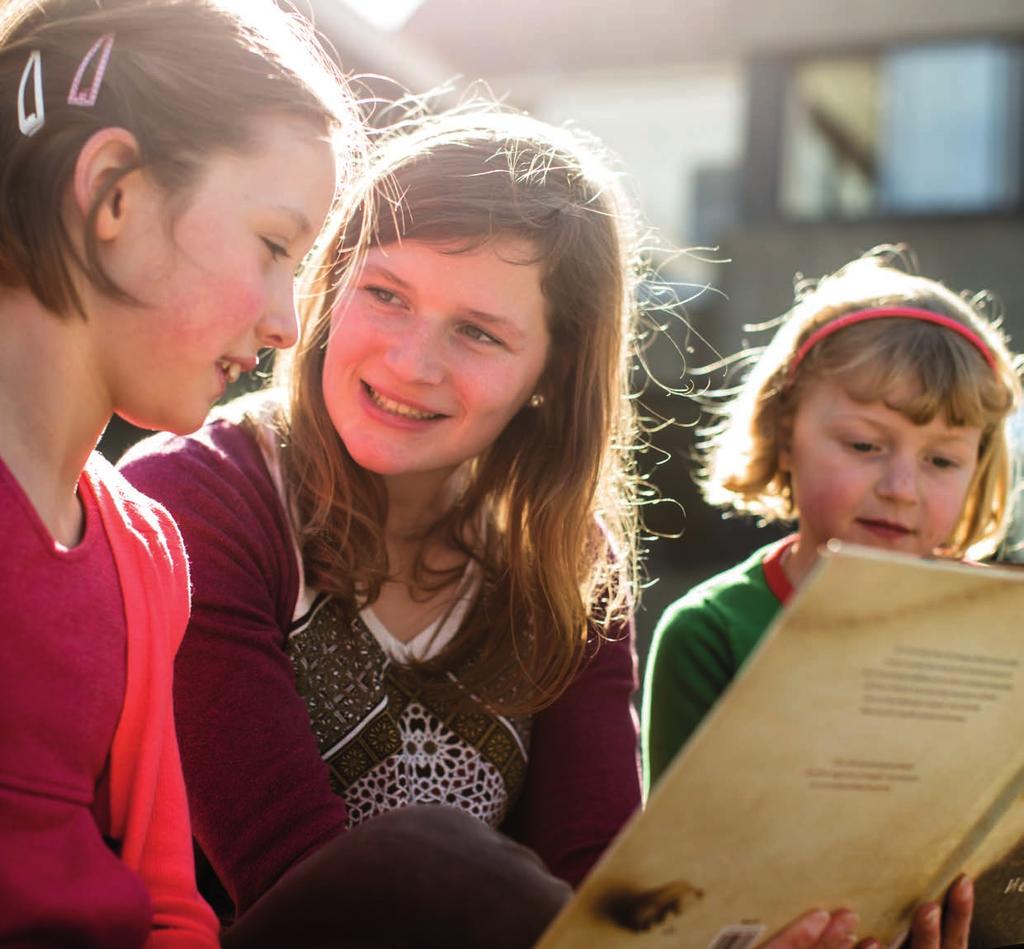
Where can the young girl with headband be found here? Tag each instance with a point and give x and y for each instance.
(164, 165)
(876, 415)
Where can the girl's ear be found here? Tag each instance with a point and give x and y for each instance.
(104, 158)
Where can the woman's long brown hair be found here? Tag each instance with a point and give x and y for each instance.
(548, 511)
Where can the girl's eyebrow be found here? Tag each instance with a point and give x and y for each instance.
(299, 219)
(496, 319)
(387, 274)
(955, 434)
(959, 434)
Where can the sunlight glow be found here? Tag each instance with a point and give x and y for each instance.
(387, 15)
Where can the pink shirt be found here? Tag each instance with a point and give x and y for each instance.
(62, 681)
(87, 741)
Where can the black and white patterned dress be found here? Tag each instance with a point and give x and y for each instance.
(387, 745)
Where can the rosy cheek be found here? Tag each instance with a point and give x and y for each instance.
(331, 373)
(251, 304)
(819, 503)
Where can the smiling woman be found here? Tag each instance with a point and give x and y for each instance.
(432, 353)
(413, 573)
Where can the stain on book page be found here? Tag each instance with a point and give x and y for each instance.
(653, 909)
(941, 685)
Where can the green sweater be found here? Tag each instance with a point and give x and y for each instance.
(699, 645)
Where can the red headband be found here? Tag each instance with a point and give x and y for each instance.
(887, 312)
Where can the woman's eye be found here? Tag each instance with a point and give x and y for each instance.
(474, 332)
(862, 447)
(277, 252)
(382, 295)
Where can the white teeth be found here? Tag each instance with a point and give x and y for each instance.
(232, 370)
(398, 408)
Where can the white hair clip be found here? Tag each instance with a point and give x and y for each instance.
(88, 98)
(32, 122)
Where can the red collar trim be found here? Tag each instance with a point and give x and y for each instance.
(774, 575)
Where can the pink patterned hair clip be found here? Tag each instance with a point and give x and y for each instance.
(31, 122)
(88, 98)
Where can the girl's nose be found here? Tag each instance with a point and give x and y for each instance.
(414, 355)
(898, 480)
(279, 325)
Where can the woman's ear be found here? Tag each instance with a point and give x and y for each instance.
(100, 175)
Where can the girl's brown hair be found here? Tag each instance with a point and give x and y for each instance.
(550, 505)
(186, 77)
(871, 360)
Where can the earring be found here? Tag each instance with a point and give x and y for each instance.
(536, 400)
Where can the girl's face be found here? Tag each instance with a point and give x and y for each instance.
(865, 473)
(215, 275)
(431, 354)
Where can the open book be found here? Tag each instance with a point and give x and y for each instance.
(863, 756)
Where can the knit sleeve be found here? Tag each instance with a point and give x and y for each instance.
(583, 781)
(258, 790)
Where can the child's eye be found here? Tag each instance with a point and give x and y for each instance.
(862, 448)
(938, 461)
(277, 252)
(479, 335)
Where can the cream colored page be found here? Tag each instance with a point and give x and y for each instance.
(1007, 834)
(878, 726)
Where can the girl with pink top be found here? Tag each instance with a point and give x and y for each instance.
(164, 165)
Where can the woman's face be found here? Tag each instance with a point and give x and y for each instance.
(431, 354)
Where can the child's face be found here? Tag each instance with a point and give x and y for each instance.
(864, 473)
(215, 275)
(431, 354)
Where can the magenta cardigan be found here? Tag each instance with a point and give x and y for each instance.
(149, 814)
(259, 792)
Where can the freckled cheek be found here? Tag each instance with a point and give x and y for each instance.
(217, 311)
(331, 381)
(945, 513)
(495, 397)
(345, 362)
(348, 348)
(252, 303)
(825, 503)
(813, 510)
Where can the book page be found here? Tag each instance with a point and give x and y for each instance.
(867, 747)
